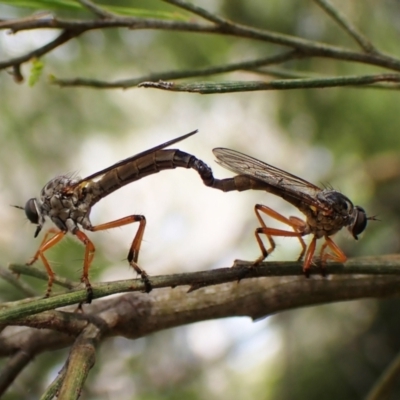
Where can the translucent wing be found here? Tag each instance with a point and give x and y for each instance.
(284, 184)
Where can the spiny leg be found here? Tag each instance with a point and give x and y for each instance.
(296, 223)
(133, 253)
(45, 245)
(89, 254)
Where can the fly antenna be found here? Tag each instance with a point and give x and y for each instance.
(19, 207)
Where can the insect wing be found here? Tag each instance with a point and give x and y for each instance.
(286, 183)
(135, 157)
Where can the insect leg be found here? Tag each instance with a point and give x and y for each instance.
(89, 254)
(296, 223)
(45, 245)
(135, 246)
(337, 255)
(309, 255)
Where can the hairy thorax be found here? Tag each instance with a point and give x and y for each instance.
(337, 211)
(68, 203)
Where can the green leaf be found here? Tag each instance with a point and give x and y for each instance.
(36, 71)
(71, 5)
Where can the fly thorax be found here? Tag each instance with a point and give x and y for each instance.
(340, 207)
(61, 204)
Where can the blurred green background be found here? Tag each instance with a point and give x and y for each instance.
(345, 137)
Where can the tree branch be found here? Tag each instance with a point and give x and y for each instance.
(217, 25)
(347, 26)
(262, 291)
(14, 365)
(128, 83)
(61, 39)
(286, 84)
(201, 12)
(138, 314)
(81, 359)
(96, 10)
(53, 389)
(383, 386)
(27, 312)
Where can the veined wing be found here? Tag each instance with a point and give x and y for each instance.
(135, 157)
(285, 184)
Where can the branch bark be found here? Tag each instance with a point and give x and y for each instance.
(214, 294)
(262, 291)
(216, 25)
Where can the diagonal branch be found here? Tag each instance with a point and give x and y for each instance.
(201, 12)
(64, 37)
(13, 367)
(384, 385)
(81, 359)
(347, 26)
(53, 389)
(96, 10)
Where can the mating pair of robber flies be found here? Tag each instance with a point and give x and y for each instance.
(67, 202)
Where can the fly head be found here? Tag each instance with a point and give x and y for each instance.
(359, 221)
(32, 212)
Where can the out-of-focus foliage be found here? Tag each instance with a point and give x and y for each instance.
(70, 5)
(347, 137)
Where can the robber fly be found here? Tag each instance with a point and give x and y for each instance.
(326, 210)
(67, 202)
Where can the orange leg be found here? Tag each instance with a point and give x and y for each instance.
(89, 254)
(133, 253)
(45, 245)
(309, 256)
(337, 255)
(296, 223)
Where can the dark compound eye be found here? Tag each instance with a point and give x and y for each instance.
(31, 211)
(360, 222)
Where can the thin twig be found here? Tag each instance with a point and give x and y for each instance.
(286, 84)
(308, 48)
(13, 280)
(100, 12)
(384, 384)
(347, 25)
(13, 368)
(8, 24)
(61, 39)
(61, 321)
(81, 359)
(199, 11)
(168, 75)
(40, 274)
(53, 389)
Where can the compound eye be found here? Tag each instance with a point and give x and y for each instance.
(31, 211)
(360, 222)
